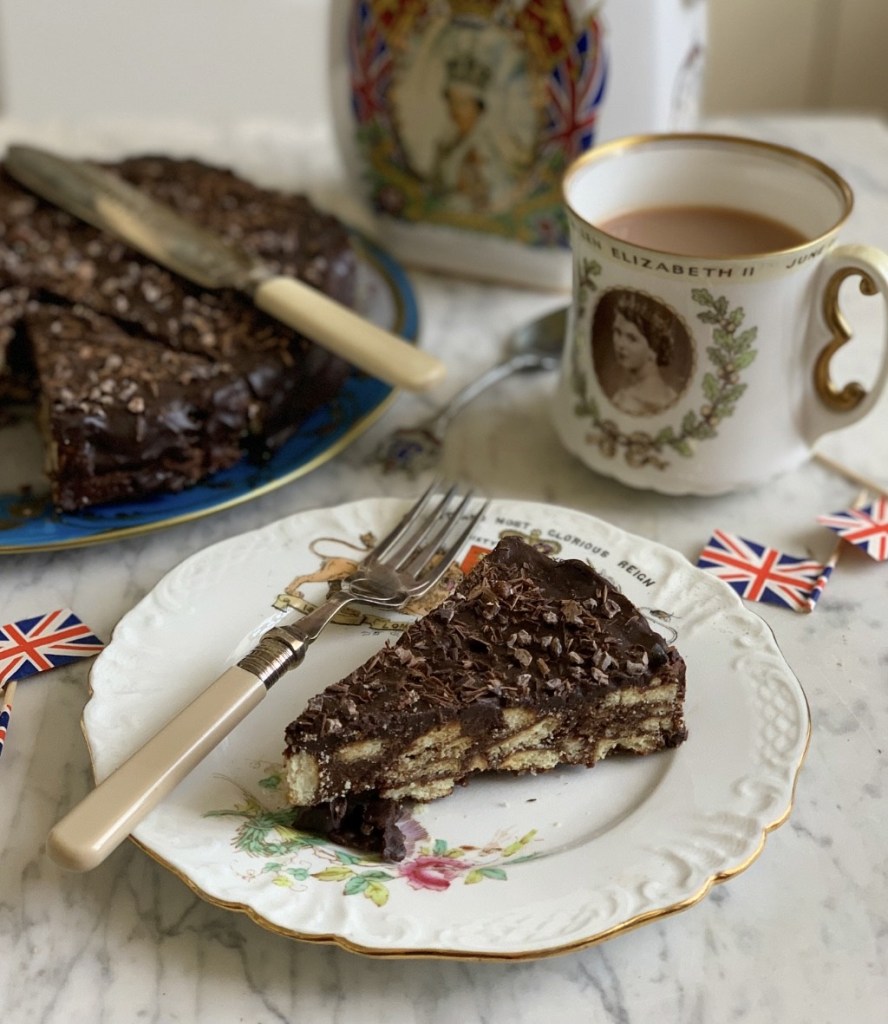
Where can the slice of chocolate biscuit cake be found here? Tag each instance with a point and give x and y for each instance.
(532, 663)
(124, 418)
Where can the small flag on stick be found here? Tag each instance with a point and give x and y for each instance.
(44, 642)
(864, 525)
(760, 573)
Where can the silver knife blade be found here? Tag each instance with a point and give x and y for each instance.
(106, 201)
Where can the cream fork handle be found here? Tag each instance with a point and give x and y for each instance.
(105, 817)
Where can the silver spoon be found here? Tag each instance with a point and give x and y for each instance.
(536, 345)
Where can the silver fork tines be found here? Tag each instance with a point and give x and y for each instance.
(414, 541)
(406, 563)
(404, 538)
(440, 536)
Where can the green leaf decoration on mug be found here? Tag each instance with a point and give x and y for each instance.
(730, 353)
(589, 270)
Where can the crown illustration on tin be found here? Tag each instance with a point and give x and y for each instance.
(466, 69)
(483, 10)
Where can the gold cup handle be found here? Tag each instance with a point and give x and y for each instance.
(851, 400)
(850, 395)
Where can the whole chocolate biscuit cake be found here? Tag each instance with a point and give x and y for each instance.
(247, 381)
(532, 663)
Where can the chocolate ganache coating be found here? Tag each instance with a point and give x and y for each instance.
(522, 630)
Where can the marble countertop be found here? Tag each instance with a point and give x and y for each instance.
(799, 936)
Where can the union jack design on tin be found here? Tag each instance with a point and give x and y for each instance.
(371, 64)
(575, 90)
(760, 573)
(44, 642)
(865, 527)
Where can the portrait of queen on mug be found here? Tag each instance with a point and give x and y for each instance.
(642, 352)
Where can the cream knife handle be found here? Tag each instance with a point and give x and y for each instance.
(104, 818)
(337, 328)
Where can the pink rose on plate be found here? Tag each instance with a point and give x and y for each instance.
(430, 872)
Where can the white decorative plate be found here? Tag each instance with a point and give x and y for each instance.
(512, 867)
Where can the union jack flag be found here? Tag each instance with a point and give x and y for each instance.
(575, 88)
(370, 63)
(44, 642)
(760, 573)
(865, 527)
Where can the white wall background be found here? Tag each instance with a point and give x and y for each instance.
(220, 61)
(798, 55)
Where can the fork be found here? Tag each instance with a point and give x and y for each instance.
(407, 563)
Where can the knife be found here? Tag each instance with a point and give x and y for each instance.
(106, 201)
